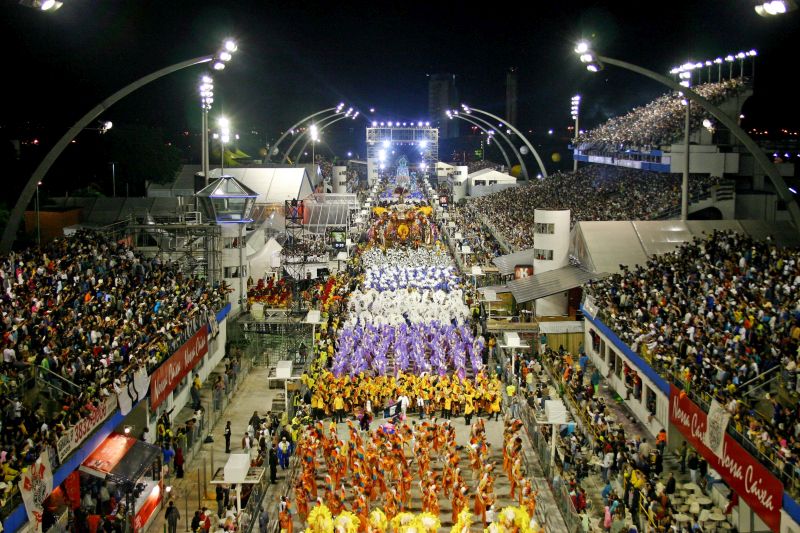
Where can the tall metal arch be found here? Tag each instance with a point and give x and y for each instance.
(522, 165)
(469, 109)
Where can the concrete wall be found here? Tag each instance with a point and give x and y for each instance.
(704, 160)
(756, 206)
(177, 400)
(339, 180)
(788, 525)
(605, 360)
(558, 242)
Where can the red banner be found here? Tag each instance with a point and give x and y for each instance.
(743, 473)
(72, 486)
(148, 507)
(168, 375)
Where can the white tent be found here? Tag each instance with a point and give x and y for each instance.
(488, 181)
(602, 246)
(273, 185)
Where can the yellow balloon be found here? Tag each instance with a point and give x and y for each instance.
(555, 157)
(516, 171)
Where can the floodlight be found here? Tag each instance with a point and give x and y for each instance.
(582, 47)
(230, 45)
(225, 56)
(219, 65)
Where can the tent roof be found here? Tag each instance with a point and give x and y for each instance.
(139, 458)
(506, 263)
(227, 186)
(274, 185)
(491, 174)
(604, 246)
(120, 458)
(549, 283)
(480, 172)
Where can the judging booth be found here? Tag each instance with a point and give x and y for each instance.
(130, 468)
(249, 484)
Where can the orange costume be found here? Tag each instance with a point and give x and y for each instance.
(301, 495)
(458, 501)
(285, 517)
(481, 499)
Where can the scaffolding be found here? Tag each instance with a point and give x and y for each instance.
(181, 237)
(380, 138)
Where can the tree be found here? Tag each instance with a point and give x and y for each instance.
(141, 154)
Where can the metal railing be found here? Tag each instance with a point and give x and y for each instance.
(538, 434)
(50, 379)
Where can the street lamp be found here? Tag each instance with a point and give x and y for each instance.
(275, 149)
(758, 154)
(10, 230)
(772, 8)
(206, 90)
(575, 111)
(42, 5)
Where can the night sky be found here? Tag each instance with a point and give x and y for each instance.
(298, 57)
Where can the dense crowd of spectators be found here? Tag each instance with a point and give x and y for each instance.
(600, 443)
(594, 192)
(85, 310)
(483, 246)
(715, 314)
(310, 248)
(657, 123)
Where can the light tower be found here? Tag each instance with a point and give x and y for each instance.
(575, 110)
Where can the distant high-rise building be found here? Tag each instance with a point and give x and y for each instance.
(511, 96)
(443, 95)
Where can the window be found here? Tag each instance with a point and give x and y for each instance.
(618, 365)
(233, 271)
(605, 352)
(541, 254)
(231, 242)
(650, 400)
(595, 341)
(543, 228)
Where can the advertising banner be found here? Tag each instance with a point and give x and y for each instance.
(35, 486)
(74, 436)
(168, 375)
(147, 509)
(745, 475)
(523, 271)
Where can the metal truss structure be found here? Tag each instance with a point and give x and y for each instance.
(382, 137)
